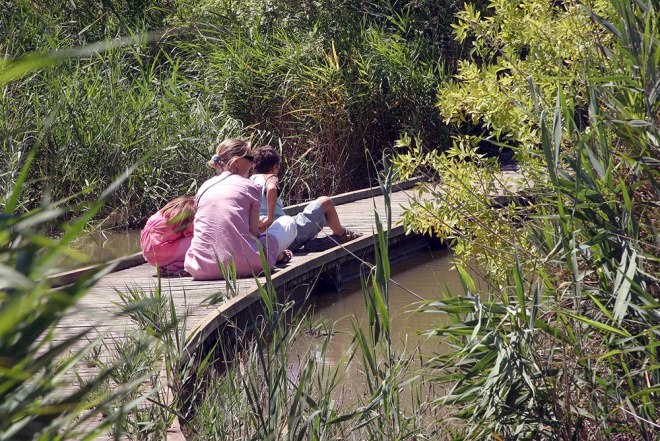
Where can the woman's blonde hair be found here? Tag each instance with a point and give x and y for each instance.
(180, 212)
(227, 152)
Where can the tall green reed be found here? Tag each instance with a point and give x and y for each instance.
(332, 82)
(38, 363)
(154, 352)
(325, 84)
(107, 117)
(254, 391)
(111, 103)
(389, 377)
(261, 389)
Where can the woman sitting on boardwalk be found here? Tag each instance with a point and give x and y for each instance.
(316, 215)
(226, 227)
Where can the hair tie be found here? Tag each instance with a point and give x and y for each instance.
(216, 159)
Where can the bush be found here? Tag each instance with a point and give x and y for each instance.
(563, 344)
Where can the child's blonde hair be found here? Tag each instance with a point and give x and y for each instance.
(180, 212)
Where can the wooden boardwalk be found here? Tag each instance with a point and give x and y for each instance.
(206, 305)
(101, 308)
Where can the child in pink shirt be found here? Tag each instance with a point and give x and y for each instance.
(166, 237)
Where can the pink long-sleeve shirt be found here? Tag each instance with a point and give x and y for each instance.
(161, 245)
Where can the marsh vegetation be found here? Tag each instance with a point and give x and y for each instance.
(109, 110)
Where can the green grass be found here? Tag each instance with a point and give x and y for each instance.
(561, 345)
(563, 342)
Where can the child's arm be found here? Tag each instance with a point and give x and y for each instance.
(271, 200)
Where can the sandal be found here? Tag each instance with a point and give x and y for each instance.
(349, 235)
(284, 257)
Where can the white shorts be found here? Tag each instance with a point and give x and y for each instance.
(284, 230)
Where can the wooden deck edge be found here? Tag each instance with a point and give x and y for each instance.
(285, 277)
(118, 264)
(251, 297)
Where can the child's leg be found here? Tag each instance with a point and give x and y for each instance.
(310, 222)
(316, 215)
(326, 208)
(331, 216)
(180, 248)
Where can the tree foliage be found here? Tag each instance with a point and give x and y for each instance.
(323, 83)
(523, 43)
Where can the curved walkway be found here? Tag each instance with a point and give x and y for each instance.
(205, 301)
(206, 305)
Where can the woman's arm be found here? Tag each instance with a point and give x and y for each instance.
(254, 220)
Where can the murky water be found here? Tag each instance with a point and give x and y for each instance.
(421, 277)
(103, 246)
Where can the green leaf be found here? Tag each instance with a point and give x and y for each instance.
(600, 326)
(621, 291)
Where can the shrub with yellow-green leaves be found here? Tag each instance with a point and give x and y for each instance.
(468, 206)
(522, 53)
(568, 349)
(523, 42)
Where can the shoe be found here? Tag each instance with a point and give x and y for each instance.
(174, 273)
(323, 243)
(284, 257)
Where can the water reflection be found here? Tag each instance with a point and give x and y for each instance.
(103, 246)
(425, 274)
